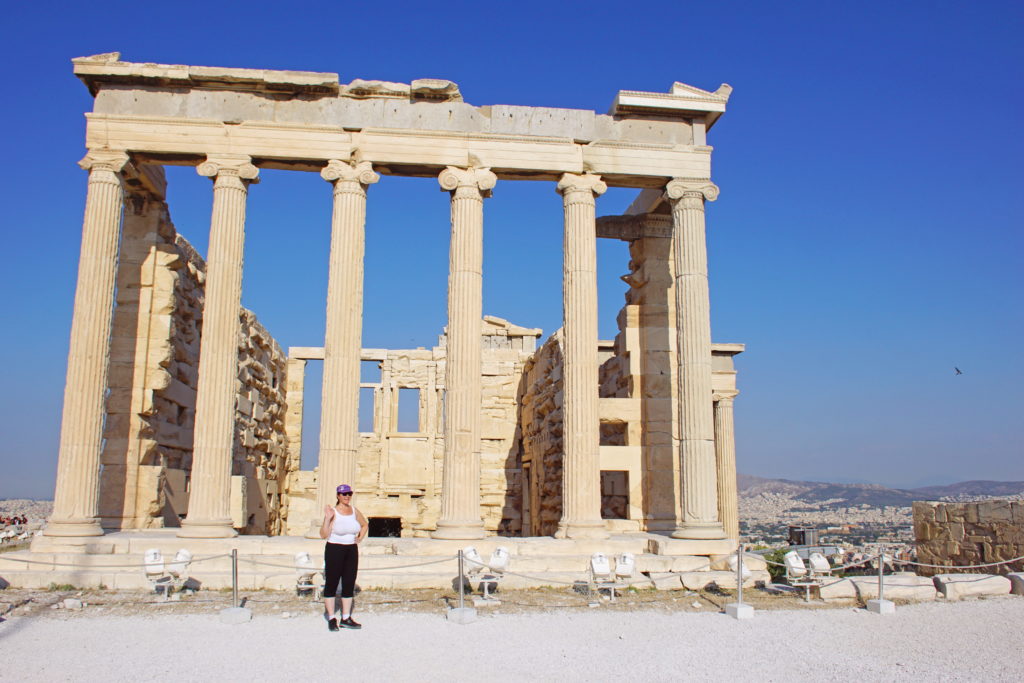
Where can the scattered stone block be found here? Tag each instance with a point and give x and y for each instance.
(666, 581)
(838, 589)
(72, 603)
(1016, 582)
(908, 587)
(957, 586)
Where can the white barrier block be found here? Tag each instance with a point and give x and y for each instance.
(462, 615)
(956, 586)
(739, 610)
(882, 606)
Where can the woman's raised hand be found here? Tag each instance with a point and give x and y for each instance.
(328, 511)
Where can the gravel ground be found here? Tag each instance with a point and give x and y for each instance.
(969, 641)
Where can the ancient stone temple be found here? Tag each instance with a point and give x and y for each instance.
(182, 412)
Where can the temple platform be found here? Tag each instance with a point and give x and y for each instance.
(115, 560)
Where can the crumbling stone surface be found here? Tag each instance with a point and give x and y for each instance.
(541, 425)
(153, 379)
(970, 533)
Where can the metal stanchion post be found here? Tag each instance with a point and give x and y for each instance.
(462, 614)
(738, 610)
(234, 577)
(235, 614)
(881, 605)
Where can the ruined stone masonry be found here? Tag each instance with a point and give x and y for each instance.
(970, 533)
(578, 439)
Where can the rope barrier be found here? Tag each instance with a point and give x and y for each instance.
(167, 561)
(962, 566)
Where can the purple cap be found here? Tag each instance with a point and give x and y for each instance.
(344, 488)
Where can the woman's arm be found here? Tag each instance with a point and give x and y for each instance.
(325, 528)
(364, 526)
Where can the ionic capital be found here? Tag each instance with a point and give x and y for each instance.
(588, 182)
(725, 398)
(237, 165)
(104, 160)
(678, 188)
(481, 180)
(361, 172)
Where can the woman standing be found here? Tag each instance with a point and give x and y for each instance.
(344, 527)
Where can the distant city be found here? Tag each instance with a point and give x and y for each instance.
(847, 514)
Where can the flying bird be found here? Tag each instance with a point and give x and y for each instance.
(957, 370)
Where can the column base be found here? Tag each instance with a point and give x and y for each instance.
(206, 529)
(73, 527)
(700, 530)
(582, 530)
(459, 531)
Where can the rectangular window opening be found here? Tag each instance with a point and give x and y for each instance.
(369, 371)
(408, 409)
(367, 396)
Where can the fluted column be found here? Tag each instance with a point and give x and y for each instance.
(460, 492)
(725, 459)
(76, 499)
(699, 504)
(209, 514)
(581, 433)
(339, 418)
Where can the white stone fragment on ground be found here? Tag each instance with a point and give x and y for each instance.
(73, 603)
(838, 589)
(897, 587)
(956, 586)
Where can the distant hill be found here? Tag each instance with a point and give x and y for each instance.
(848, 495)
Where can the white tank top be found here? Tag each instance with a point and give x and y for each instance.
(344, 528)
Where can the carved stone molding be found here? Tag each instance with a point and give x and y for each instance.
(679, 188)
(480, 179)
(343, 171)
(587, 182)
(104, 159)
(229, 165)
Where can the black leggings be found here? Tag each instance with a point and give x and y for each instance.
(341, 562)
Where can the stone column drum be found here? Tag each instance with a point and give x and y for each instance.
(699, 504)
(725, 458)
(460, 489)
(339, 421)
(209, 514)
(581, 490)
(76, 499)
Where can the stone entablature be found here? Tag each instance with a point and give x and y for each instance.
(969, 534)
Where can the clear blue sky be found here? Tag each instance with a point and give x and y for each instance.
(867, 240)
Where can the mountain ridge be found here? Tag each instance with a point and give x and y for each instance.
(875, 495)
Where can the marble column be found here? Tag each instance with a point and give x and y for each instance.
(339, 420)
(581, 435)
(725, 459)
(699, 500)
(209, 514)
(76, 498)
(460, 485)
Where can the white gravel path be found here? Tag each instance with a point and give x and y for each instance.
(971, 641)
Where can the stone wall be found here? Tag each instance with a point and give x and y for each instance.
(541, 428)
(153, 377)
(969, 533)
(400, 469)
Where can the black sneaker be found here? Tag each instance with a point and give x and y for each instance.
(350, 623)
(332, 624)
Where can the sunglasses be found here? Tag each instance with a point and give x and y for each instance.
(345, 494)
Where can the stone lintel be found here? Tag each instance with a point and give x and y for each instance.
(683, 100)
(629, 228)
(727, 349)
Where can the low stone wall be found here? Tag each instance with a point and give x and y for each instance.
(969, 533)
